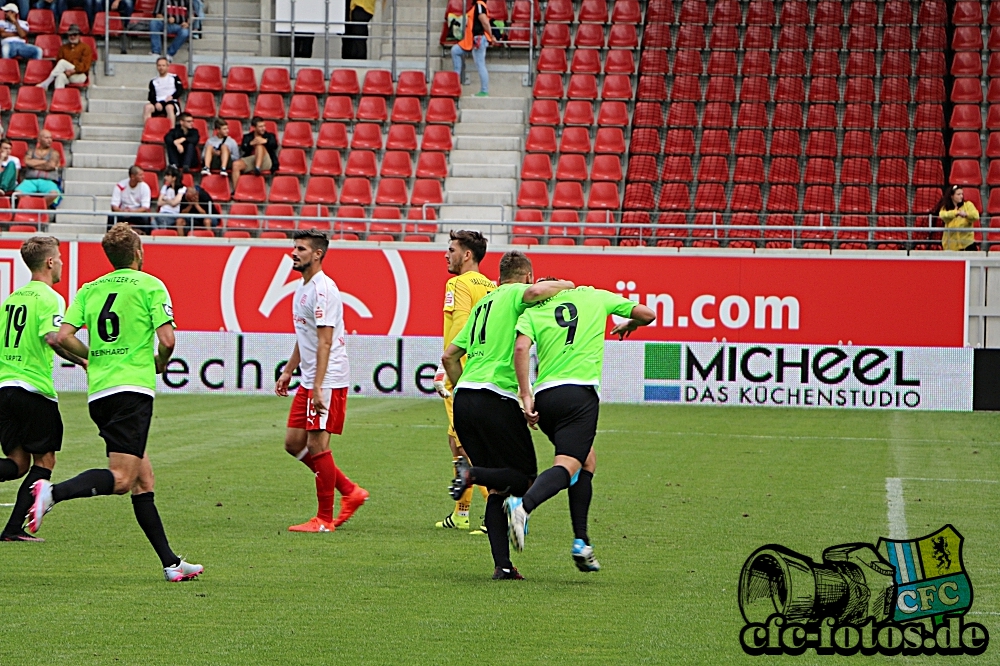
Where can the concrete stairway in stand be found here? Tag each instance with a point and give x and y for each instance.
(484, 163)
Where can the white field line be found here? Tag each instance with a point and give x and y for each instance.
(982, 613)
(6, 505)
(794, 437)
(920, 478)
(897, 511)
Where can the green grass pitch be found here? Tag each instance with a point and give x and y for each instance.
(682, 496)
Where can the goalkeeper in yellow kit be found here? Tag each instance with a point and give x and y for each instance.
(465, 251)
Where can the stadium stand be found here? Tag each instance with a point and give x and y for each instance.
(812, 114)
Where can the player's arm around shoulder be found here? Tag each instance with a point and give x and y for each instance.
(638, 315)
(541, 291)
(65, 338)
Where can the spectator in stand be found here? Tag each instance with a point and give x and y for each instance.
(957, 213)
(164, 94)
(131, 195)
(354, 44)
(74, 60)
(14, 35)
(478, 35)
(124, 9)
(259, 151)
(182, 143)
(43, 170)
(219, 149)
(198, 202)
(176, 12)
(169, 201)
(9, 168)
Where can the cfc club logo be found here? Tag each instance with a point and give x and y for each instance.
(899, 597)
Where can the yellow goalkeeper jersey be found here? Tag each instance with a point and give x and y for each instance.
(461, 295)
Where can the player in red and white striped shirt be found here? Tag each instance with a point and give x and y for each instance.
(320, 402)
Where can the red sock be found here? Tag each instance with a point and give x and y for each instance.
(307, 460)
(344, 485)
(326, 480)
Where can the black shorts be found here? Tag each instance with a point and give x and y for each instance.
(123, 420)
(568, 416)
(163, 113)
(493, 431)
(29, 421)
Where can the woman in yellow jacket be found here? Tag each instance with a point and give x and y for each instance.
(957, 213)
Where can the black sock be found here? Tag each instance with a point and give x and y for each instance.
(546, 486)
(149, 520)
(25, 499)
(8, 470)
(496, 527)
(85, 484)
(504, 479)
(579, 504)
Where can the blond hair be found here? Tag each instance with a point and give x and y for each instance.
(37, 249)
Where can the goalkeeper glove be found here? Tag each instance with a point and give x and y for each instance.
(439, 378)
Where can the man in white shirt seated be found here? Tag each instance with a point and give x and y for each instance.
(131, 195)
(14, 35)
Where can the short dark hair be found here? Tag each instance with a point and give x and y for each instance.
(162, 58)
(184, 115)
(514, 264)
(219, 123)
(134, 170)
(7, 141)
(255, 120)
(473, 241)
(175, 172)
(316, 238)
(37, 249)
(120, 244)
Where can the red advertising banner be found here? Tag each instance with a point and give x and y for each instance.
(739, 298)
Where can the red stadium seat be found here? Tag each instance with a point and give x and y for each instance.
(338, 107)
(788, 116)
(790, 63)
(559, 11)
(10, 72)
(609, 141)
(304, 107)
(929, 144)
(276, 80)
(717, 115)
(855, 199)
(716, 142)
(373, 110)
(818, 199)
(310, 81)
(345, 82)
(688, 61)
(367, 136)
(536, 166)
(819, 171)
(548, 86)
(217, 186)
(234, 105)
(557, 35)
(36, 71)
(571, 167)
(361, 163)
(722, 62)
(240, 79)
(208, 77)
(326, 162)
(297, 135)
(856, 171)
(615, 114)
(927, 172)
(642, 168)
(967, 39)
(31, 99)
(201, 104)
(149, 157)
(790, 89)
(679, 142)
(446, 84)
(675, 168)
(606, 168)
(441, 110)
(965, 144)
(746, 198)
(824, 89)
(250, 189)
(533, 194)
(821, 144)
(41, 21)
(965, 91)
(822, 116)
(270, 106)
(61, 126)
(860, 89)
(579, 113)
(155, 130)
(432, 165)
(391, 192)
(713, 169)
(857, 144)
(858, 116)
(784, 171)
(49, 44)
(674, 196)
(622, 36)
(552, 60)
(377, 82)
(616, 86)
(426, 191)
(587, 35)
(966, 173)
(541, 140)
(323, 190)
(575, 140)
(584, 86)
(619, 62)
(411, 84)
(65, 100)
(752, 116)
(593, 11)
(626, 11)
(652, 62)
(285, 189)
(786, 143)
(332, 135)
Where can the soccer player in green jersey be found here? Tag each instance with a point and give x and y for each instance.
(488, 418)
(30, 425)
(568, 333)
(125, 312)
